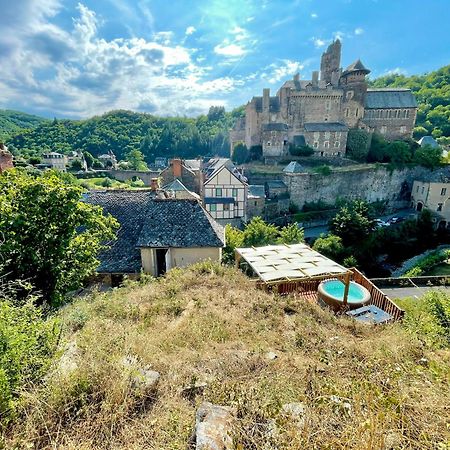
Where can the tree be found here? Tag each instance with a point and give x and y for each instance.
(89, 159)
(240, 154)
(428, 156)
(358, 144)
(234, 238)
(76, 165)
(258, 233)
(216, 113)
(301, 150)
(136, 161)
(353, 223)
(291, 234)
(378, 149)
(329, 245)
(48, 235)
(399, 152)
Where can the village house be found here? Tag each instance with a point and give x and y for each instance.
(256, 201)
(155, 234)
(434, 196)
(225, 191)
(54, 160)
(177, 189)
(108, 160)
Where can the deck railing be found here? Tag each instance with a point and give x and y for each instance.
(378, 298)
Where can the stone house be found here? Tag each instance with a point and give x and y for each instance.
(155, 234)
(256, 201)
(224, 191)
(177, 189)
(435, 196)
(108, 160)
(327, 138)
(340, 97)
(6, 158)
(54, 160)
(187, 171)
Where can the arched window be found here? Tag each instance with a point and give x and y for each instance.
(356, 112)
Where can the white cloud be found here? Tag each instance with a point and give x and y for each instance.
(314, 16)
(395, 71)
(190, 30)
(318, 42)
(77, 73)
(276, 72)
(359, 31)
(229, 50)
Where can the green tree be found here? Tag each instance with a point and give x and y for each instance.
(399, 152)
(234, 238)
(136, 161)
(240, 154)
(301, 150)
(378, 149)
(329, 245)
(358, 144)
(89, 159)
(353, 223)
(291, 234)
(428, 156)
(49, 236)
(258, 233)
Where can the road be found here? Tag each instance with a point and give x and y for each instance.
(315, 232)
(414, 292)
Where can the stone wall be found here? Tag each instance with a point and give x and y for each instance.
(370, 184)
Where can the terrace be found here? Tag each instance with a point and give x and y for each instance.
(299, 270)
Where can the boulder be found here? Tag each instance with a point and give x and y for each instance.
(213, 427)
(143, 380)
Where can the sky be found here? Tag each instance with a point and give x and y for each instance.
(76, 59)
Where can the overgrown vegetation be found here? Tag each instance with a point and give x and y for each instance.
(361, 386)
(49, 237)
(427, 263)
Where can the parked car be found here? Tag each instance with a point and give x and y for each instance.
(395, 220)
(381, 223)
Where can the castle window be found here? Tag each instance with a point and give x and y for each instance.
(443, 191)
(423, 189)
(328, 105)
(347, 112)
(439, 208)
(349, 95)
(337, 144)
(316, 144)
(404, 113)
(402, 129)
(356, 113)
(326, 144)
(407, 113)
(268, 143)
(417, 190)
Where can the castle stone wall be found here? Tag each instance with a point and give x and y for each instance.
(369, 184)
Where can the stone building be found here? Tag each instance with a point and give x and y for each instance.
(319, 112)
(54, 160)
(6, 158)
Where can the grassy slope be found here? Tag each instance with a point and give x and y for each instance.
(211, 324)
(12, 122)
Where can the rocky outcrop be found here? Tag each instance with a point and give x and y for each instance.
(213, 427)
(142, 379)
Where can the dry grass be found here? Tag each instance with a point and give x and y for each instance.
(209, 324)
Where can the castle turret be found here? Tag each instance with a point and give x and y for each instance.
(331, 61)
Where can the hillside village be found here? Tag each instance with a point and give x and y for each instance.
(284, 288)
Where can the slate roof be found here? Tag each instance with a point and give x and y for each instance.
(176, 186)
(428, 140)
(256, 191)
(326, 126)
(355, 67)
(390, 98)
(149, 222)
(302, 84)
(275, 126)
(293, 167)
(276, 184)
(299, 140)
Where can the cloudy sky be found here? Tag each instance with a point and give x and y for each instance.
(75, 59)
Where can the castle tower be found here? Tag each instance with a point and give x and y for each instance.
(331, 61)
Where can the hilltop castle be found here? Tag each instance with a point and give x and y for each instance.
(319, 112)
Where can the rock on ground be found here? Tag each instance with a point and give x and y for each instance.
(143, 380)
(213, 427)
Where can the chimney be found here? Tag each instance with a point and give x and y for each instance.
(315, 78)
(176, 167)
(297, 77)
(266, 100)
(154, 185)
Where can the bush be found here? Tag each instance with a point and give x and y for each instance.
(428, 156)
(27, 345)
(323, 170)
(301, 150)
(330, 246)
(241, 154)
(427, 263)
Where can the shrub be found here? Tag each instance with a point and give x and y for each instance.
(301, 150)
(323, 170)
(358, 144)
(241, 154)
(27, 345)
(426, 263)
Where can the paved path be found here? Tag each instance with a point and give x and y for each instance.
(414, 292)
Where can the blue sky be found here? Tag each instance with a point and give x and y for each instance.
(75, 59)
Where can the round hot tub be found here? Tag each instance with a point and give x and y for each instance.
(332, 293)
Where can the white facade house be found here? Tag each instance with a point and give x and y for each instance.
(225, 192)
(55, 160)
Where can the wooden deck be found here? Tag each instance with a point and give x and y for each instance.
(307, 290)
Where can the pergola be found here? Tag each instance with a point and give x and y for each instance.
(278, 264)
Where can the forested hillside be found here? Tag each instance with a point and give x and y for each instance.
(12, 122)
(432, 91)
(122, 131)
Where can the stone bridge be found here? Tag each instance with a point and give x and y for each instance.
(124, 175)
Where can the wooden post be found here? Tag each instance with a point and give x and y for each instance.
(347, 287)
(237, 259)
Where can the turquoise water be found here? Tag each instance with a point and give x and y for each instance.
(335, 288)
